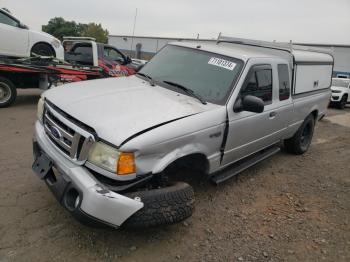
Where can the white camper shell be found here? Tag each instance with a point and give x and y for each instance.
(312, 68)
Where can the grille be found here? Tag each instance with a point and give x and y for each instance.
(70, 139)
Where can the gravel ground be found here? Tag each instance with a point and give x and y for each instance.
(287, 208)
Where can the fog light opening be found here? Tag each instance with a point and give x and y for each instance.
(72, 199)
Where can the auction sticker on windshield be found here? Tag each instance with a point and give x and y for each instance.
(222, 63)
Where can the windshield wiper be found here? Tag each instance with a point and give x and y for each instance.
(150, 79)
(187, 90)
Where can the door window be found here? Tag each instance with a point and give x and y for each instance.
(259, 83)
(284, 86)
(5, 19)
(112, 54)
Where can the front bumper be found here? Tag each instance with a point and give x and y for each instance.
(90, 197)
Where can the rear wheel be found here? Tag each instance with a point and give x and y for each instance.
(342, 102)
(301, 140)
(42, 49)
(8, 92)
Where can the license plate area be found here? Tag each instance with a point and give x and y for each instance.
(42, 165)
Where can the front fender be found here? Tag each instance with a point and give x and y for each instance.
(176, 154)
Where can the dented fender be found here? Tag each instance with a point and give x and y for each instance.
(177, 154)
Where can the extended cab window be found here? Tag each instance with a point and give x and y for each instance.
(5, 19)
(112, 54)
(284, 87)
(259, 83)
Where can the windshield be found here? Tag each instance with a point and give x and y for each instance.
(208, 75)
(340, 82)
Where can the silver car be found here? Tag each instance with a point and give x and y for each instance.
(108, 149)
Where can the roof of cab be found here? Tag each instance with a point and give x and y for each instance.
(244, 52)
(232, 50)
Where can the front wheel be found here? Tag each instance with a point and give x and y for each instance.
(8, 92)
(162, 206)
(42, 49)
(300, 142)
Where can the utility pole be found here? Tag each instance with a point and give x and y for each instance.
(133, 31)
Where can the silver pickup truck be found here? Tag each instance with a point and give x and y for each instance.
(108, 149)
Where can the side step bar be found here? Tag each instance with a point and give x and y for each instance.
(243, 164)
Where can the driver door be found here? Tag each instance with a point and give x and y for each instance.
(251, 132)
(14, 40)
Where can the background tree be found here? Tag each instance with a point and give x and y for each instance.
(59, 28)
(96, 31)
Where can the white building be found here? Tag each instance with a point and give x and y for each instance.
(148, 46)
(145, 47)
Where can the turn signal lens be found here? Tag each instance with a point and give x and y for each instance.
(126, 164)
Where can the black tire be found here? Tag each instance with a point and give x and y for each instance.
(300, 142)
(42, 49)
(8, 92)
(162, 206)
(342, 102)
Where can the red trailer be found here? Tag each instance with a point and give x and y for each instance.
(84, 59)
(39, 73)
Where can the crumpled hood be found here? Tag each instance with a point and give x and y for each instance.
(117, 108)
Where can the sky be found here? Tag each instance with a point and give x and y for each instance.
(307, 21)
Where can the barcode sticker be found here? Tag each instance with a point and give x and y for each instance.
(222, 63)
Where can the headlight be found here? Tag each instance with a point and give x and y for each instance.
(56, 43)
(336, 91)
(110, 159)
(40, 109)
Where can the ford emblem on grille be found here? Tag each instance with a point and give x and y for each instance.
(55, 132)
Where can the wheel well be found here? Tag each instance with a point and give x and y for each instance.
(44, 43)
(197, 161)
(315, 114)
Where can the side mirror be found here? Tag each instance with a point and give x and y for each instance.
(128, 60)
(249, 103)
(22, 26)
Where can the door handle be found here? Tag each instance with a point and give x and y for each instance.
(273, 114)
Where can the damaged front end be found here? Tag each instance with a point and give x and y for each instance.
(78, 190)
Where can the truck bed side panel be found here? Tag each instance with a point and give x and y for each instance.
(306, 103)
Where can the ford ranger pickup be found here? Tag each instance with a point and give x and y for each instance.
(108, 148)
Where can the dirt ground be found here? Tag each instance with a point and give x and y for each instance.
(287, 208)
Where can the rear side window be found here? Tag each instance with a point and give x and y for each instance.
(4, 19)
(284, 86)
(259, 83)
(83, 50)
